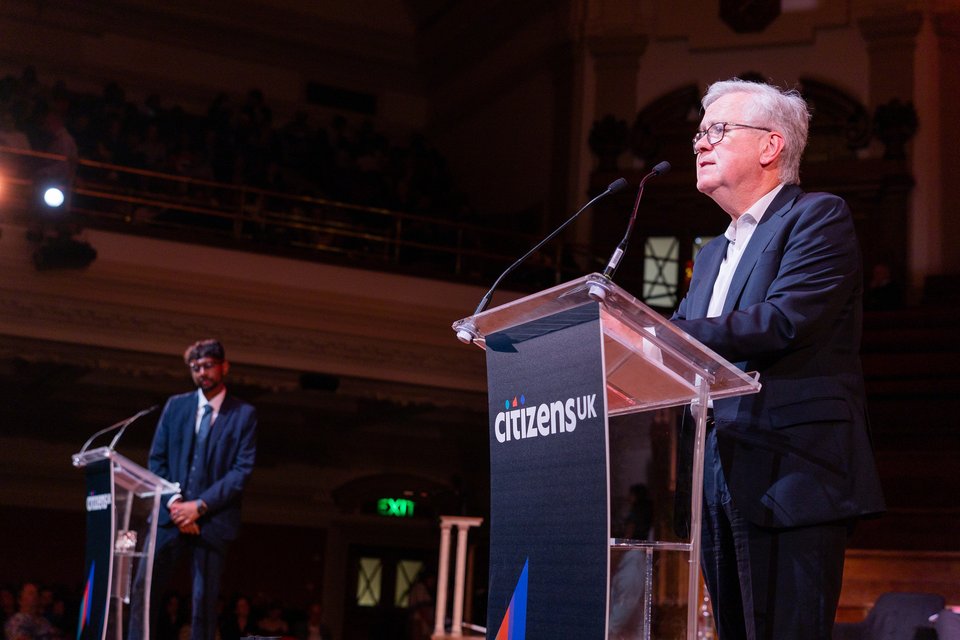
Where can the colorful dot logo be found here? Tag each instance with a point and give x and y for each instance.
(518, 401)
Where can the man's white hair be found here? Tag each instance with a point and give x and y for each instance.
(783, 110)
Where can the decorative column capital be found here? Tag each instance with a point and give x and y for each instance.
(947, 25)
(896, 29)
(462, 522)
(617, 50)
(891, 39)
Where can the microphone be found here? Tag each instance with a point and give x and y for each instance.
(621, 249)
(615, 186)
(122, 426)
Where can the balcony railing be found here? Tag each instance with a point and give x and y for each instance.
(138, 201)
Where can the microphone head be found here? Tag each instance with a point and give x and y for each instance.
(619, 184)
(661, 168)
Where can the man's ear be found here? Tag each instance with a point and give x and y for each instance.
(772, 148)
(226, 367)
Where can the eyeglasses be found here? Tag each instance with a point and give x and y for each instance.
(715, 132)
(197, 367)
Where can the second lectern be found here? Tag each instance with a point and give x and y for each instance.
(122, 502)
(562, 365)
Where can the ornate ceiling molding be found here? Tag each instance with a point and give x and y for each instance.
(329, 325)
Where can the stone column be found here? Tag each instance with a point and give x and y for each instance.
(463, 525)
(946, 28)
(891, 36)
(443, 574)
(459, 581)
(891, 43)
(616, 64)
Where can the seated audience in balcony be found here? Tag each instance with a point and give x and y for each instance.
(238, 143)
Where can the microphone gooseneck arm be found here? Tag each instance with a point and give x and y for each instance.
(122, 426)
(660, 169)
(615, 186)
(130, 421)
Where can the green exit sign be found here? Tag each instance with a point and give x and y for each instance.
(395, 507)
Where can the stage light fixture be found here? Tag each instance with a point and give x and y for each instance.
(53, 197)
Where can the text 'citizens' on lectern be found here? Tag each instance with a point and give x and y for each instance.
(563, 366)
(122, 502)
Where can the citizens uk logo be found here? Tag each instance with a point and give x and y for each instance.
(518, 421)
(98, 502)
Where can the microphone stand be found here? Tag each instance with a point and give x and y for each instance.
(615, 186)
(122, 426)
(621, 249)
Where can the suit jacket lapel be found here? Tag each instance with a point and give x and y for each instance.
(188, 431)
(217, 428)
(771, 221)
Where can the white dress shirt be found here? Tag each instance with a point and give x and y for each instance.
(738, 236)
(216, 402)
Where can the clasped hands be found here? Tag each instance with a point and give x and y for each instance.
(184, 514)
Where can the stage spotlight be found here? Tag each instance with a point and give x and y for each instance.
(53, 197)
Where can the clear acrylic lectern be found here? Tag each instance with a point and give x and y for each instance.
(122, 503)
(562, 365)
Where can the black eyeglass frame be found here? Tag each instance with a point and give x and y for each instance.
(197, 367)
(718, 130)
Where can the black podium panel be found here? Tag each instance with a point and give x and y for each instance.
(548, 452)
(100, 515)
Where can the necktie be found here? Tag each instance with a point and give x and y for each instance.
(205, 422)
(198, 474)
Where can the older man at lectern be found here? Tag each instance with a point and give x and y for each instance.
(787, 470)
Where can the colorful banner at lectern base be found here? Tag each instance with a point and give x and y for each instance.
(514, 625)
(99, 503)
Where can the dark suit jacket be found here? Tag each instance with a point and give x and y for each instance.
(798, 452)
(230, 456)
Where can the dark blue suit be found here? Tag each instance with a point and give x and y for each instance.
(230, 453)
(798, 452)
(229, 461)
